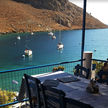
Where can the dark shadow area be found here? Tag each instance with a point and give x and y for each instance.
(46, 4)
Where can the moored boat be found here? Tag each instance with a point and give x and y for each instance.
(28, 52)
(50, 33)
(53, 37)
(32, 33)
(18, 37)
(60, 46)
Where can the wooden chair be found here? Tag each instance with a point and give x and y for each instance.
(71, 103)
(102, 77)
(53, 97)
(33, 89)
(78, 69)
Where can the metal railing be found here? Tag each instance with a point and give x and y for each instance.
(104, 61)
(98, 64)
(100, 70)
(10, 80)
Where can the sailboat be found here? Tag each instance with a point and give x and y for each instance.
(50, 29)
(18, 37)
(27, 51)
(60, 44)
(53, 37)
(32, 33)
(50, 33)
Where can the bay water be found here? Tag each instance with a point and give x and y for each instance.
(45, 49)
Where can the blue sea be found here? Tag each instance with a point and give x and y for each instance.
(45, 49)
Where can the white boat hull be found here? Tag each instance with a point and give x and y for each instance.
(60, 46)
(28, 52)
(53, 37)
(50, 34)
(18, 37)
(32, 33)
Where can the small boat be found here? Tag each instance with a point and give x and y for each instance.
(53, 37)
(60, 46)
(28, 52)
(18, 37)
(94, 50)
(50, 33)
(23, 56)
(32, 33)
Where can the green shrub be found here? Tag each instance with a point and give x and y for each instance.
(59, 68)
(6, 97)
(55, 69)
(99, 66)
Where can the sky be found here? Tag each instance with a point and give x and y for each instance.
(97, 8)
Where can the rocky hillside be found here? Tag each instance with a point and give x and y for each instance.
(42, 15)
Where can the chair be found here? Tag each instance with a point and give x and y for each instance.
(71, 103)
(78, 69)
(33, 89)
(102, 77)
(53, 97)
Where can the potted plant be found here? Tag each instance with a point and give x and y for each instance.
(6, 97)
(55, 69)
(60, 68)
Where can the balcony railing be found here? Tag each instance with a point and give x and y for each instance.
(99, 64)
(10, 80)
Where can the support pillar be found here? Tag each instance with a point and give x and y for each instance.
(87, 63)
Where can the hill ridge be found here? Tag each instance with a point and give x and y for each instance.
(42, 15)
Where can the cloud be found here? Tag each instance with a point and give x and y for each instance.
(98, 8)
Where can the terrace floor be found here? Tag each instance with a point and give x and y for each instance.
(77, 89)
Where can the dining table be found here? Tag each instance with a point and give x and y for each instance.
(74, 87)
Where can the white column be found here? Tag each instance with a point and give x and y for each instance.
(87, 63)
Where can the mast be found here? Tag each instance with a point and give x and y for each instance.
(59, 36)
(60, 32)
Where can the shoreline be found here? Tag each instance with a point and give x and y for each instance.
(6, 33)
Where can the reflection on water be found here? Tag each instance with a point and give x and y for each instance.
(27, 58)
(60, 50)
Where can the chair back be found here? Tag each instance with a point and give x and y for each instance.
(53, 97)
(71, 103)
(33, 89)
(85, 70)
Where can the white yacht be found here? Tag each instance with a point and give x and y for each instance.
(53, 37)
(18, 37)
(94, 50)
(50, 33)
(32, 33)
(28, 52)
(60, 46)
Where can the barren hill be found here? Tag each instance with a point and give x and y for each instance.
(42, 15)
